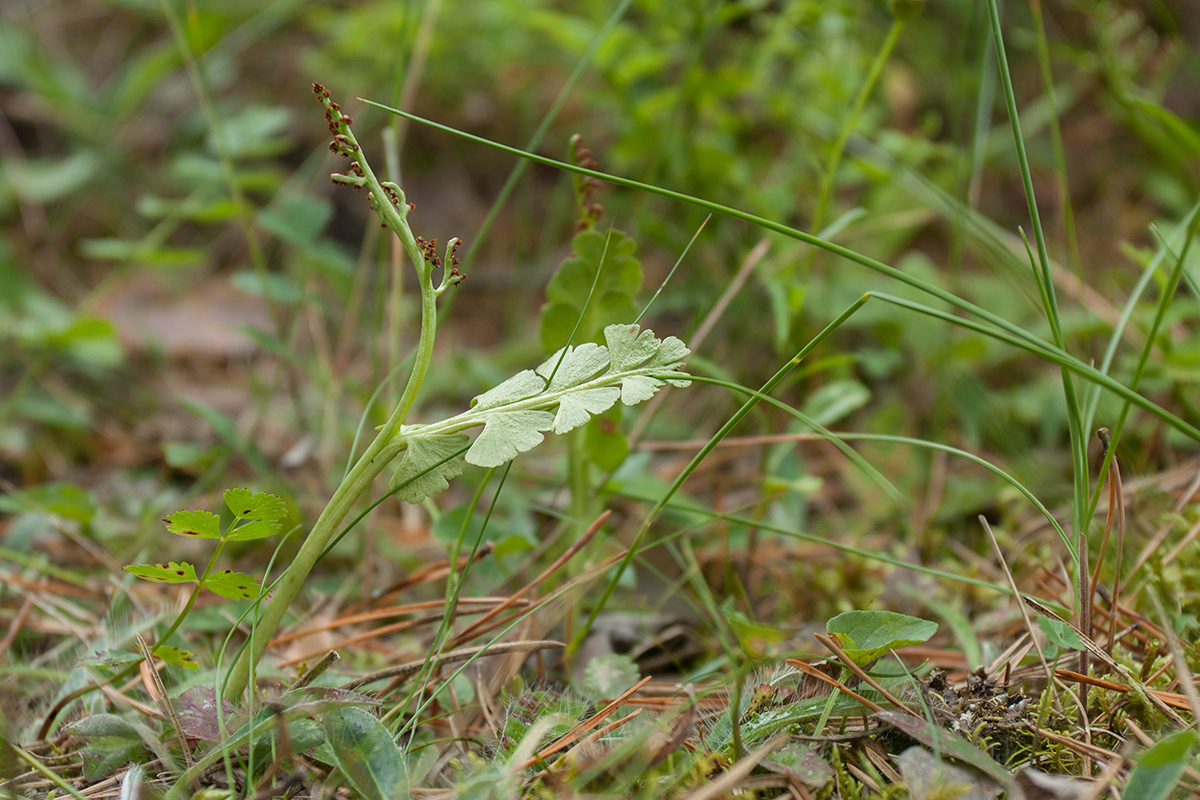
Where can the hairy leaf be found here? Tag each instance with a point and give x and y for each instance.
(366, 753)
(507, 434)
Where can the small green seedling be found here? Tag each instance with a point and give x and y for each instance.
(255, 516)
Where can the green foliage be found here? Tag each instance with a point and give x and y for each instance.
(1160, 767)
(867, 635)
(256, 516)
(561, 394)
(366, 753)
(604, 261)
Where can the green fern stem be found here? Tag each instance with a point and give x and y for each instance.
(389, 202)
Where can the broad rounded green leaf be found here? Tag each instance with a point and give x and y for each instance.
(169, 572)
(579, 364)
(866, 635)
(1159, 769)
(233, 585)
(524, 384)
(628, 348)
(638, 389)
(195, 524)
(1060, 633)
(366, 753)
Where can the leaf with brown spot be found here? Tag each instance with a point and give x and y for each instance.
(195, 524)
(170, 572)
(233, 585)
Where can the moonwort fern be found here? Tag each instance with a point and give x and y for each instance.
(567, 390)
(560, 395)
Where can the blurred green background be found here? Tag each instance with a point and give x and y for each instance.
(188, 302)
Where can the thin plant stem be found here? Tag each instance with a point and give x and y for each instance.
(849, 123)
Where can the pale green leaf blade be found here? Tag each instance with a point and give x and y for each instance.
(608, 675)
(627, 349)
(169, 572)
(254, 529)
(638, 389)
(366, 753)
(233, 585)
(580, 364)
(1061, 633)
(429, 453)
(109, 659)
(671, 353)
(507, 434)
(866, 635)
(194, 524)
(577, 408)
(524, 384)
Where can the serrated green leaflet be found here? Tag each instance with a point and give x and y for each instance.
(254, 529)
(232, 585)
(177, 657)
(195, 524)
(169, 572)
(249, 505)
(561, 394)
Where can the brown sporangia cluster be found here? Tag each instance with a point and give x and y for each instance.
(586, 186)
(429, 251)
(343, 143)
